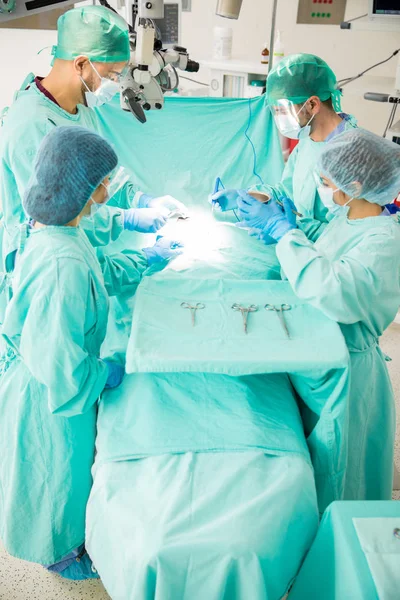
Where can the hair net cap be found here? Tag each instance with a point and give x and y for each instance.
(300, 76)
(361, 158)
(70, 164)
(92, 31)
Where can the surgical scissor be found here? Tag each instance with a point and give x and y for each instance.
(245, 310)
(193, 309)
(280, 312)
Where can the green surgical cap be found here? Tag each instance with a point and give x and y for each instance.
(363, 157)
(300, 76)
(92, 31)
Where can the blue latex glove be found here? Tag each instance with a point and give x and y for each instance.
(225, 199)
(163, 249)
(253, 213)
(260, 235)
(272, 220)
(115, 374)
(144, 200)
(167, 203)
(281, 222)
(144, 220)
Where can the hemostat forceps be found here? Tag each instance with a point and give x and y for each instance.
(245, 310)
(193, 309)
(280, 312)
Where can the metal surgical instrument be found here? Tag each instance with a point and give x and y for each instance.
(193, 309)
(280, 312)
(245, 310)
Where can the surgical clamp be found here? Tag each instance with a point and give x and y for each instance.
(245, 312)
(193, 309)
(280, 312)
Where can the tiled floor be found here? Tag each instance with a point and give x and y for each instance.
(24, 581)
(20, 580)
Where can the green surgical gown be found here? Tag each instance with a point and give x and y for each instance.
(298, 180)
(31, 116)
(351, 273)
(50, 381)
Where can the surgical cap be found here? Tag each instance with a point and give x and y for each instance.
(92, 31)
(361, 156)
(70, 164)
(300, 76)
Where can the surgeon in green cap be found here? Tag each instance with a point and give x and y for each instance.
(91, 54)
(302, 95)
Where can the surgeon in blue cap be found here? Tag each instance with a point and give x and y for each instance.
(351, 273)
(51, 374)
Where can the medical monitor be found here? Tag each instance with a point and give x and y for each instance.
(384, 9)
(170, 25)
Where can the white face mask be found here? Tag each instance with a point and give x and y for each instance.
(104, 93)
(95, 206)
(326, 195)
(290, 127)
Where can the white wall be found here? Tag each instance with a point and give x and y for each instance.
(347, 52)
(19, 51)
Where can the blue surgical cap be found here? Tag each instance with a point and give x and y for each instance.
(70, 164)
(363, 165)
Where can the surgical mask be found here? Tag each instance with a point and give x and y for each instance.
(290, 127)
(326, 195)
(104, 93)
(95, 206)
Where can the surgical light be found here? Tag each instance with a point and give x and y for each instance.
(229, 8)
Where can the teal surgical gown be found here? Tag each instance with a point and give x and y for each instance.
(351, 273)
(50, 381)
(298, 181)
(25, 124)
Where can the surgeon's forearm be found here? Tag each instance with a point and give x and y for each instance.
(313, 277)
(85, 385)
(105, 227)
(127, 197)
(122, 271)
(312, 228)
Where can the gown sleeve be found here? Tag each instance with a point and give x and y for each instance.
(122, 271)
(344, 289)
(52, 341)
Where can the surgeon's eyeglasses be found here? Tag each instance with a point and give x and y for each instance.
(116, 76)
(320, 181)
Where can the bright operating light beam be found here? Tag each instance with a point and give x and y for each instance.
(202, 236)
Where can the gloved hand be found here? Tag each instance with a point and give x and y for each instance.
(163, 249)
(169, 203)
(225, 199)
(115, 374)
(254, 214)
(145, 220)
(281, 221)
(260, 235)
(268, 217)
